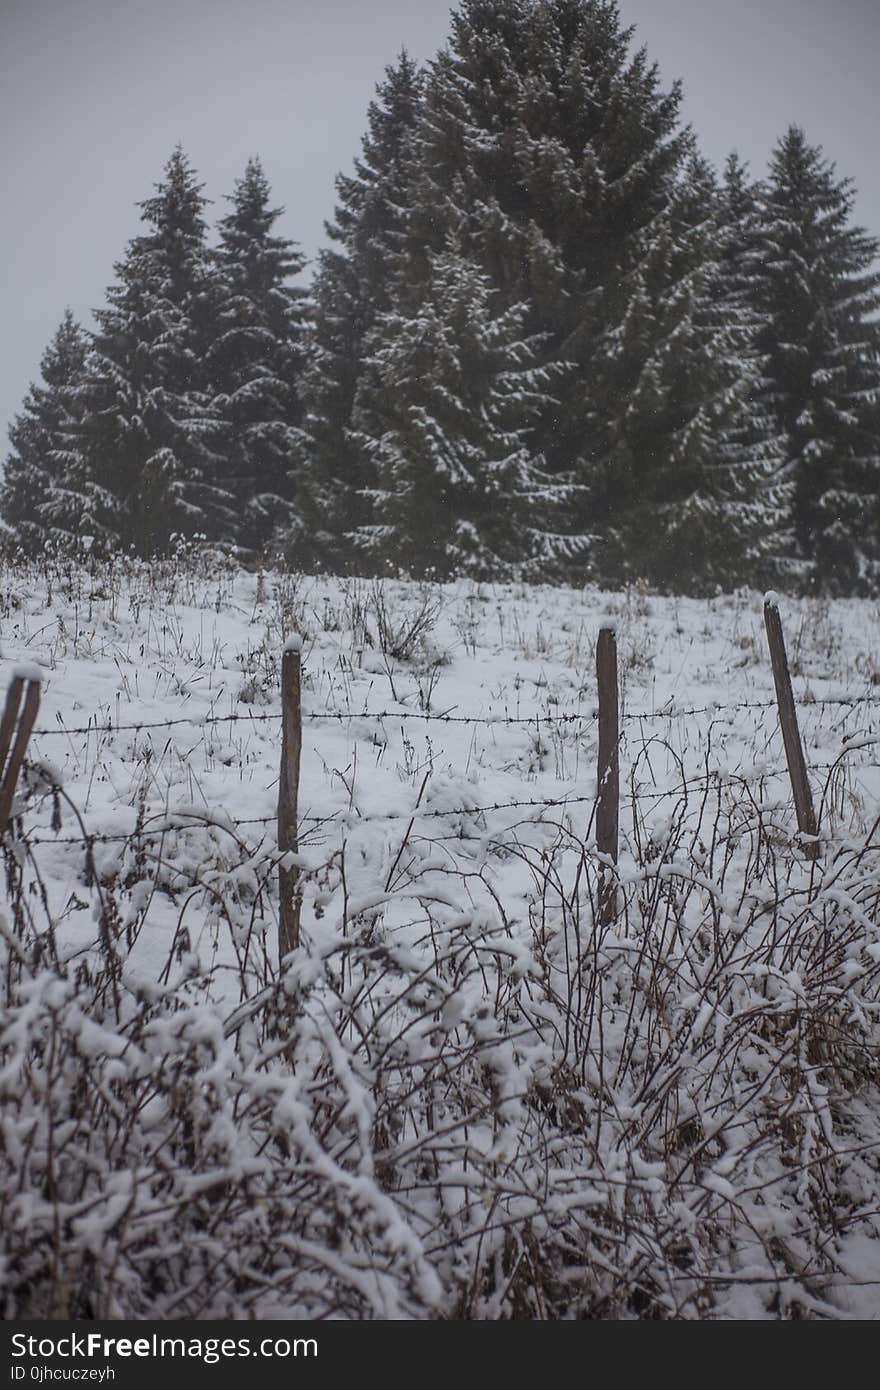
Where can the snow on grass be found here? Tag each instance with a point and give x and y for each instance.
(463, 1096)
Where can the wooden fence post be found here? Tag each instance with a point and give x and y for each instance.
(791, 736)
(288, 793)
(608, 769)
(22, 736)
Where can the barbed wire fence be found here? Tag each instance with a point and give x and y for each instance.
(473, 815)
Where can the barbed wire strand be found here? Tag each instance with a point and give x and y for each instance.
(489, 720)
(352, 817)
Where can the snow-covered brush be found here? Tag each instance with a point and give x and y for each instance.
(438, 1110)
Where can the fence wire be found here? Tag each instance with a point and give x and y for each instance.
(485, 720)
(350, 817)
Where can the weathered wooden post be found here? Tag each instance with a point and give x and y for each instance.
(33, 676)
(608, 769)
(791, 735)
(288, 793)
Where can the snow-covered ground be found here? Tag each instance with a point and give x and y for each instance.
(700, 1073)
(495, 703)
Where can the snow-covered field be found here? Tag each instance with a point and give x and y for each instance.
(465, 1097)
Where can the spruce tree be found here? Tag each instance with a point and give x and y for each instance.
(685, 494)
(350, 290)
(543, 148)
(149, 422)
(757, 433)
(256, 360)
(444, 404)
(819, 291)
(546, 146)
(43, 494)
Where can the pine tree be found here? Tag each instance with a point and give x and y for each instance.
(819, 292)
(256, 360)
(685, 495)
(757, 435)
(546, 147)
(147, 398)
(350, 291)
(543, 148)
(444, 404)
(43, 496)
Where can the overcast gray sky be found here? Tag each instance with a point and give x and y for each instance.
(94, 94)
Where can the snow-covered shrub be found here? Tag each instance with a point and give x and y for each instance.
(439, 1111)
(403, 622)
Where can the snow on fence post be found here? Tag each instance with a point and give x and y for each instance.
(608, 769)
(288, 794)
(33, 676)
(791, 736)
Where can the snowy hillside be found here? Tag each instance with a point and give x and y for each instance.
(463, 1097)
